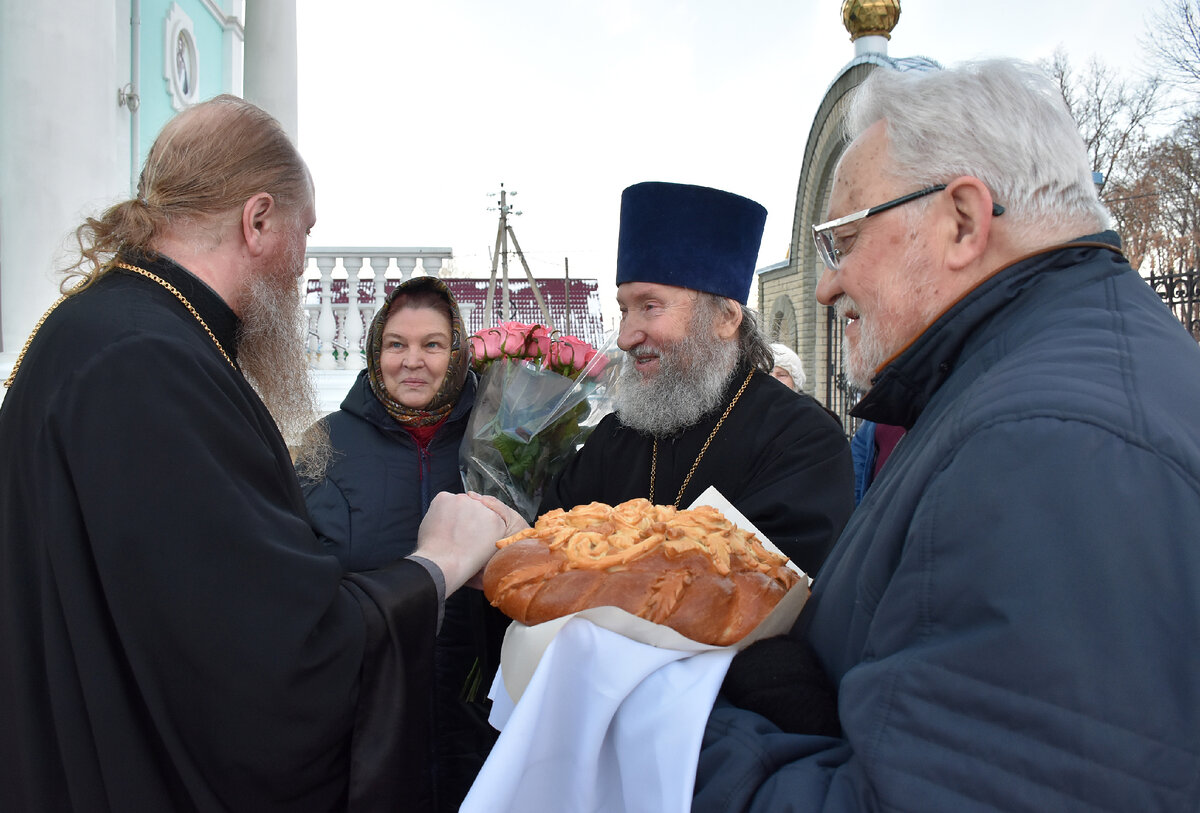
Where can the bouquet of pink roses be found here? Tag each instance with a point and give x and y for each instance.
(540, 395)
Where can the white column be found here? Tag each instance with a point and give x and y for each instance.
(379, 265)
(271, 60)
(465, 309)
(353, 320)
(64, 144)
(873, 44)
(233, 50)
(326, 324)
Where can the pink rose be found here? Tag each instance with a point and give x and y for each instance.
(539, 341)
(569, 353)
(519, 339)
(513, 341)
(570, 356)
(488, 344)
(511, 338)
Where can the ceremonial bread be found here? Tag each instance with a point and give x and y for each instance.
(691, 570)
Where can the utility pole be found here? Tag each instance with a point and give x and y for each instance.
(500, 260)
(501, 241)
(567, 293)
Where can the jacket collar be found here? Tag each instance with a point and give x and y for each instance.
(903, 388)
(361, 401)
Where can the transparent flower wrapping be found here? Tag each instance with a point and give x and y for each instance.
(529, 419)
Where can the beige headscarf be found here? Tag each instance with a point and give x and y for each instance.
(456, 373)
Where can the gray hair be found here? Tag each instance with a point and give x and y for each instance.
(753, 347)
(1001, 121)
(788, 360)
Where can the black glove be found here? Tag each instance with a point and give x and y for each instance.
(781, 679)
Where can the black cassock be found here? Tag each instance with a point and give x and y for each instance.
(172, 636)
(780, 458)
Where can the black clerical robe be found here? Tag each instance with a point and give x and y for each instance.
(780, 458)
(172, 635)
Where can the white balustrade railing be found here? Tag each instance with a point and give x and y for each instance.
(345, 287)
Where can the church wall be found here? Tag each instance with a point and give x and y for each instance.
(798, 282)
(64, 143)
(156, 97)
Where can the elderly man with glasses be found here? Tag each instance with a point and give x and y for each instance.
(1009, 620)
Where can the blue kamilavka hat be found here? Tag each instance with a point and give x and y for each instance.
(689, 236)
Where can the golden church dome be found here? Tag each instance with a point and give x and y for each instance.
(870, 18)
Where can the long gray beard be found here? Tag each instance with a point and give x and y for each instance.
(271, 353)
(691, 382)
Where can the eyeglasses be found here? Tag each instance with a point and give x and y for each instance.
(827, 242)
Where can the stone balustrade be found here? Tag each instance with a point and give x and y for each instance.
(336, 319)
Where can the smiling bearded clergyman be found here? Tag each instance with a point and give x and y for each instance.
(696, 405)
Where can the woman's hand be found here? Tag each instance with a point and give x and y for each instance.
(513, 523)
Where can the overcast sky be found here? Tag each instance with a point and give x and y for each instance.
(411, 113)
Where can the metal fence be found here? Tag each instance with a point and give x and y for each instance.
(840, 394)
(1181, 293)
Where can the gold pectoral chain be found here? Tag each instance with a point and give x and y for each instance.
(179, 295)
(8, 382)
(703, 449)
(171, 288)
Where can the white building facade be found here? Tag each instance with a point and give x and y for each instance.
(85, 86)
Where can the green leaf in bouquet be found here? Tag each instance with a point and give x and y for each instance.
(525, 457)
(507, 445)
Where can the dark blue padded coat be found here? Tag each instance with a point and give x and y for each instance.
(369, 505)
(366, 511)
(1012, 615)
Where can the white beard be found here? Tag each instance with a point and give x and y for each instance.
(690, 382)
(881, 335)
(862, 358)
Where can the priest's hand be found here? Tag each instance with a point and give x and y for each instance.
(459, 535)
(513, 523)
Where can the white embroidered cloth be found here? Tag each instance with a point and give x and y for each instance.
(603, 712)
(605, 724)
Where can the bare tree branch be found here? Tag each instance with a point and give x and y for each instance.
(1173, 43)
(1113, 114)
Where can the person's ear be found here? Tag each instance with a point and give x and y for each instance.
(971, 221)
(730, 321)
(256, 215)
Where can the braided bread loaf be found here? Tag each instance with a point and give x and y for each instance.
(690, 570)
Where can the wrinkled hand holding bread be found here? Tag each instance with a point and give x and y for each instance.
(691, 570)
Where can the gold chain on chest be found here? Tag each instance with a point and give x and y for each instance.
(8, 382)
(703, 449)
(171, 288)
(179, 295)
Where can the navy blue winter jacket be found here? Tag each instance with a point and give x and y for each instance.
(367, 511)
(1012, 615)
(375, 492)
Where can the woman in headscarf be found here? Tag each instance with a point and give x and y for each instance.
(392, 446)
(788, 368)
